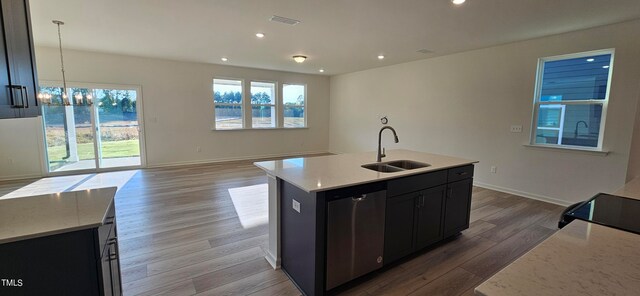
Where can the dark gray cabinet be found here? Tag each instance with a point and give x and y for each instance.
(413, 222)
(83, 262)
(457, 206)
(437, 206)
(18, 78)
(420, 211)
(429, 217)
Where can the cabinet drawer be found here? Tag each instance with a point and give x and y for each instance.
(460, 173)
(415, 183)
(106, 231)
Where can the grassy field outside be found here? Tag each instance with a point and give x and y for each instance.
(258, 122)
(110, 149)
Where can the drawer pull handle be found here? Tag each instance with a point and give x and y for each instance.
(462, 173)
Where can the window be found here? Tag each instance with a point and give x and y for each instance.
(293, 96)
(263, 104)
(571, 100)
(227, 98)
(266, 109)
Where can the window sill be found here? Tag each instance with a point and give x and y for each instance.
(259, 129)
(570, 149)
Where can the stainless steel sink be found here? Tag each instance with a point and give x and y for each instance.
(383, 168)
(408, 164)
(395, 166)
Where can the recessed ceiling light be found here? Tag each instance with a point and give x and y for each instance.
(458, 2)
(380, 57)
(224, 59)
(299, 58)
(591, 60)
(260, 35)
(321, 70)
(605, 67)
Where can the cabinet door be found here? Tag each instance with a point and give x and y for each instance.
(6, 101)
(429, 216)
(457, 207)
(399, 226)
(19, 46)
(105, 265)
(114, 259)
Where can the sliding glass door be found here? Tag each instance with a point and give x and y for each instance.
(94, 128)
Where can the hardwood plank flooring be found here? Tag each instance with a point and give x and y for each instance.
(200, 230)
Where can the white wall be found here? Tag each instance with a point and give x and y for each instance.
(178, 109)
(463, 105)
(20, 148)
(634, 153)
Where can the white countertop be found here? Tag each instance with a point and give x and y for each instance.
(321, 173)
(580, 259)
(35, 216)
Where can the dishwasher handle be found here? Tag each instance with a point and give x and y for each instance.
(360, 198)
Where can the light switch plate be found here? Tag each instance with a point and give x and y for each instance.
(296, 205)
(516, 128)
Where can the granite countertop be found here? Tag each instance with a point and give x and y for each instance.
(321, 173)
(580, 259)
(35, 216)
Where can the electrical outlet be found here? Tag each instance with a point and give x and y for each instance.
(10, 160)
(516, 128)
(296, 205)
(198, 149)
(494, 169)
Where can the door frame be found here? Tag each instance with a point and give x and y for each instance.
(141, 131)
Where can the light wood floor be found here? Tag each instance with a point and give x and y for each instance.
(182, 232)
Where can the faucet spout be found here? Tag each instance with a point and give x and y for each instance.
(575, 134)
(381, 152)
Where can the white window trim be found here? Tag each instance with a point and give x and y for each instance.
(247, 119)
(537, 103)
(242, 104)
(44, 166)
(306, 114)
(276, 102)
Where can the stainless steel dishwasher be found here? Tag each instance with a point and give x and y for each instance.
(355, 236)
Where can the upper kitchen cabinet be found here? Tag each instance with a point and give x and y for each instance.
(18, 97)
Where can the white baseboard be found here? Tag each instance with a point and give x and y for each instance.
(523, 194)
(218, 160)
(21, 177)
(275, 263)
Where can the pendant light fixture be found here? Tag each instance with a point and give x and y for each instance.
(65, 98)
(46, 97)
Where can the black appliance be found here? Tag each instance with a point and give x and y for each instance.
(605, 209)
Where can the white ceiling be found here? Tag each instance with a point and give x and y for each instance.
(338, 35)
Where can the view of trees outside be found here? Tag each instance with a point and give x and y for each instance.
(293, 96)
(263, 105)
(227, 96)
(117, 118)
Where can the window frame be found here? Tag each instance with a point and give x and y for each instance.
(537, 103)
(247, 107)
(241, 104)
(304, 106)
(275, 100)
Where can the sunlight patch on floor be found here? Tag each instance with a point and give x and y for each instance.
(251, 204)
(72, 183)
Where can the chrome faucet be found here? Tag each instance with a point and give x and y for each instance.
(575, 135)
(381, 152)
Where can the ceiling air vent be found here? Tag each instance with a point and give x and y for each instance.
(425, 51)
(284, 20)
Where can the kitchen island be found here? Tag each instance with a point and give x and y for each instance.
(582, 258)
(64, 243)
(332, 220)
